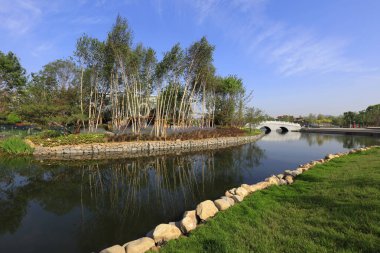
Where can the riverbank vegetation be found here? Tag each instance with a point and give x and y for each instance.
(15, 146)
(334, 207)
(118, 84)
(89, 138)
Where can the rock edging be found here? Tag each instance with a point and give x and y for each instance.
(131, 149)
(208, 209)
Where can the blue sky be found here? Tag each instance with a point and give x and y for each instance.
(298, 57)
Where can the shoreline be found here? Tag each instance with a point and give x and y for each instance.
(194, 221)
(346, 131)
(115, 150)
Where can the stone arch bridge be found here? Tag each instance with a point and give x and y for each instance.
(277, 125)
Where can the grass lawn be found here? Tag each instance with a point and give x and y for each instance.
(334, 207)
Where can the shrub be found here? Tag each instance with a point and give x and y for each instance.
(71, 139)
(15, 145)
(13, 118)
(50, 134)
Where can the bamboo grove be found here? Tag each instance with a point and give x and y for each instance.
(121, 83)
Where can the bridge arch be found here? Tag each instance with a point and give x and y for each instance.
(266, 129)
(275, 125)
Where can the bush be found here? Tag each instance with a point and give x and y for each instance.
(15, 145)
(13, 118)
(71, 139)
(50, 134)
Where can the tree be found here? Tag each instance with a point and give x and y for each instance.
(51, 96)
(12, 80)
(254, 115)
(229, 94)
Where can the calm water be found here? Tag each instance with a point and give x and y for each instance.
(89, 205)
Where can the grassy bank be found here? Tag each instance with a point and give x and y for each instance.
(335, 207)
(88, 138)
(15, 145)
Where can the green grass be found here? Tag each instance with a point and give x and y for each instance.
(334, 207)
(252, 132)
(16, 146)
(71, 139)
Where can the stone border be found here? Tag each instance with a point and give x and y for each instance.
(208, 209)
(136, 149)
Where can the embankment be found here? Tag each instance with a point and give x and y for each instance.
(136, 149)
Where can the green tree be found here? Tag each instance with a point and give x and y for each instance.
(12, 80)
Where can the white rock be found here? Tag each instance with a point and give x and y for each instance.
(229, 200)
(241, 192)
(206, 210)
(139, 246)
(273, 180)
(237, 198)
(165, 232)
(188, 222)
(246, 187)
(289, 179)
(259, 186)
(114, 249)
(228, 194)
(222, 204)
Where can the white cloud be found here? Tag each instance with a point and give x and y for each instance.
(290, 50)
(42, 48)
(19, 16)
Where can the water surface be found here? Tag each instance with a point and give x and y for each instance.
(85, 206)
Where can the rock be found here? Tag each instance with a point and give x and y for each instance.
(259, 186)
(232, 191)
(289, 179)
(114, 249)
(206, 210)
(229, 200)
(293, 173)
(280, 176)
(228, 194)
(241, 192)
(329, 156)
(283, 181)
(175, 223)
(246, 187)
(222, 204)
(140, 245)
(273, 180)
(165, 232)
(188, 222)
(237, 198)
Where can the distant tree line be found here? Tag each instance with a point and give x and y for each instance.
(364, 118)
(123, 83)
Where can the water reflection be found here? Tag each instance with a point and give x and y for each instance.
(348, 141)
(84, 206)
(103, 202)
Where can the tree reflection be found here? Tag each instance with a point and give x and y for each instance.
(119, 200)
(347, 141)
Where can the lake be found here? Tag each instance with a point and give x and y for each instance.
(85, 206)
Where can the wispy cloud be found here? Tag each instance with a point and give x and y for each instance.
(290, 50)
(86, 20)
(18, 17)
(42, 48)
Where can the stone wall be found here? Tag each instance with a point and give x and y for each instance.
(134, 149)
